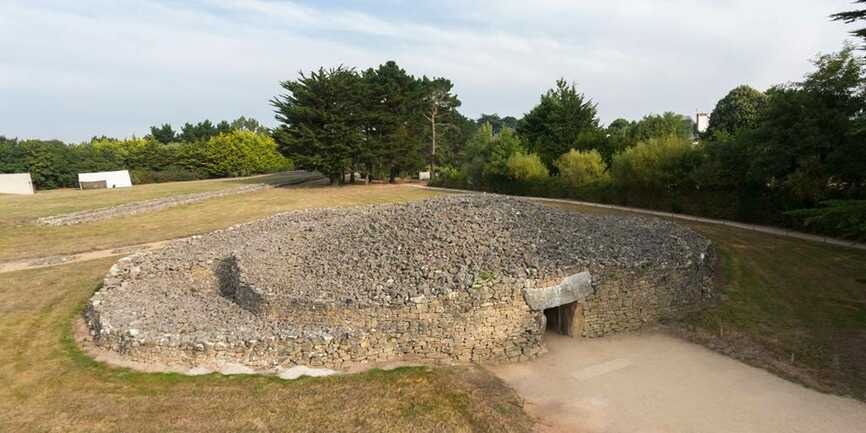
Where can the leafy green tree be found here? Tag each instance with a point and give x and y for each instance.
(658, 164)
(248, 124)
(391, 122)
(242, 153)
(439, 105)
(657, 126)
(452, 141)
(811, 141)
(740, 109)
(12, 156)
(50, 163)
(320, 118)
(498, 123)
(551, 127)
(580, 169)
(486, 158)
(164, 134)
(851, 17)
(201, 131)
(526, 167)
(223, 127)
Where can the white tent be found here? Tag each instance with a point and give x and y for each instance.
(112, 179)
(16, 183)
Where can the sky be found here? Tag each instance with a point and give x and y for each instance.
(74, 69)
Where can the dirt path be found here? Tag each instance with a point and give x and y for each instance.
(44, 262)
(657, 383)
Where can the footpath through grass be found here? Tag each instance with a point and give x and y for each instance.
(47, 385)
(20, 238)
(794, 307)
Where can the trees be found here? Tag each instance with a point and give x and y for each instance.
(740, 109)
(164, 134)
(376, 121)
(320, 120)
(392, 121)
(853, 16)
(580, 169)
(811, 140)
(438, 104)
(486, 156)
(498, 123)
(242, 153)
(526, 167)
(663, 125)
(551, 127)
(658, 164)
(201, 131)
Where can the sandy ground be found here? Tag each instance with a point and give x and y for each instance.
(656, 383)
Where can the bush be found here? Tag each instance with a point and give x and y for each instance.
(243, 153)
(658, 164)
(170, 175)
(580, 169)
(836, 217)
(449, 177)
(526, 167)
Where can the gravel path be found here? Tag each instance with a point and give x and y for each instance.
(653, 382)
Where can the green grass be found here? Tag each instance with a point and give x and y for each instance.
(20, 209)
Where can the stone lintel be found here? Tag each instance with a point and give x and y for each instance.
(572, 288)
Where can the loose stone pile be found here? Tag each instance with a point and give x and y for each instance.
(443, 278)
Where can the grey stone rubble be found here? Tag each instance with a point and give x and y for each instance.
(449, 278)
(126, 209)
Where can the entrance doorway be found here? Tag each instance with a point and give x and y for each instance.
(566, 319)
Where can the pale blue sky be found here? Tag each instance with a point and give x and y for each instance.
(71, 70)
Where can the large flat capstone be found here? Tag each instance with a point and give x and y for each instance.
(573, 288)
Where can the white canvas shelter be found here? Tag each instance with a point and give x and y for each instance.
(113, 179)
(16, 183)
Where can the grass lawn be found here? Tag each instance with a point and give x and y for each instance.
(794, 307)
(46, 385)
(24, 208)
(20, 238)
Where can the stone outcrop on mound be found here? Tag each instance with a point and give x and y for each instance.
(460, 278)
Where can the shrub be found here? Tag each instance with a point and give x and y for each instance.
(657, 164)
(449, 177)
(169, 175)
(243, 153)
(579, 169)
(526, 167)
(486, 156)
(836, 217)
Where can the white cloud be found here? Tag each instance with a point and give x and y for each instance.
(76, 69)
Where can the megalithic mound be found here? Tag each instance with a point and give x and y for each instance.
(465, 278)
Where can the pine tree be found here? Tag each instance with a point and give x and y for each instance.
(853, 16)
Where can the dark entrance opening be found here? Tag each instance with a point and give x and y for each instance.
(565, 319)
